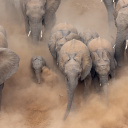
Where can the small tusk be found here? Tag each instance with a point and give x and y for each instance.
(114, 45)
(113, 1)
(100, 84)
(126, 44)
(41, 34)
(29, 33)
(101, 0)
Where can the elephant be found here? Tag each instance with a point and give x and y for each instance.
(9, 62)
(62, 33)
(37, 63)
(122, 35)
(88, 35)
(3, 36)
(103, 62)
(109, 4)
(38, 15)
(75, 63)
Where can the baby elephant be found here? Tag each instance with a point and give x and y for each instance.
(37, 63)
(75, 62)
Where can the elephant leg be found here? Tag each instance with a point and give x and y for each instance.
(119, 49)
(87, 85)
(1, 88)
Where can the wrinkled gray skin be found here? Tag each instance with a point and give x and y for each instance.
(110, 9)
(3, 36)
(102, 55)
(75, 62)
(122, 35)
(38, 15)
(59, 38)
(9, 63)
(37, 64)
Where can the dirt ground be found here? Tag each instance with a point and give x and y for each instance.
(26, 104)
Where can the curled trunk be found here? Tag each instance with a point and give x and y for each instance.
(38, 77)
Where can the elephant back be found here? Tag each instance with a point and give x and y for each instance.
(74, 48)
(88, 35)
(100, 43)
(120, 4)
(3, 41)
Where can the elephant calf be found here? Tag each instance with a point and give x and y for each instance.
(37, 63)
(102, 54)
(75, 62)
(3, 40)
(62, 33)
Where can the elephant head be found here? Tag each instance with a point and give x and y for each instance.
(75, 62)
(37, 64)
(9, 62)
(38, 15)
(102, 64)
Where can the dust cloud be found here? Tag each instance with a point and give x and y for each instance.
(26, 104)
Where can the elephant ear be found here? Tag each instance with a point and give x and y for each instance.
(86, 66)
(51, 8)
(9, 63)
(52, 45)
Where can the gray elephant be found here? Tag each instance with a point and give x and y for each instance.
(75, 62)
(9, 62)
(122, 34)
(109, 4)
(38, 15)
(3, 36)
(37, 64)
(88, 35)
(104, 64)
(62, 33)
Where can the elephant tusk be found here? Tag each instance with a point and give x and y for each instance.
(100, 84)
(113, 1)
(101, 0)
(126, 44)
(29, 33)
(41, 34)
(114, 45)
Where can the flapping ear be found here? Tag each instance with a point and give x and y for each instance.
(9, 63)
(52, 45)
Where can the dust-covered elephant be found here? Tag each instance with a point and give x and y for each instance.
(75, 62)
(88, 35)
(3, 38)
(102, 54)
(122, 34)
(9, 62)
(62, 33)
(39, 15)
(37, 64)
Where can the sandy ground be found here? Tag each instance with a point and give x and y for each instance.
(26, 104)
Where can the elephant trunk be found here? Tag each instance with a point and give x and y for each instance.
(1, 88)
(104, 84)
(71, 86)
(38, 76)
(36, 31)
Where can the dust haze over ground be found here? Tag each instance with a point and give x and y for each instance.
(26, 104)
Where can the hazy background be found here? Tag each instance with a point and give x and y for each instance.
(26, 104)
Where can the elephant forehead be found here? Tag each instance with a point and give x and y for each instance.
(37, 64)
(34, 4)
(100, 43)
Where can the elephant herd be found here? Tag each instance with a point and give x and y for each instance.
(80, 56)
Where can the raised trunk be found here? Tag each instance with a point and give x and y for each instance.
(71, 86)
(1, 88)
(104, 84)
(36, 31)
